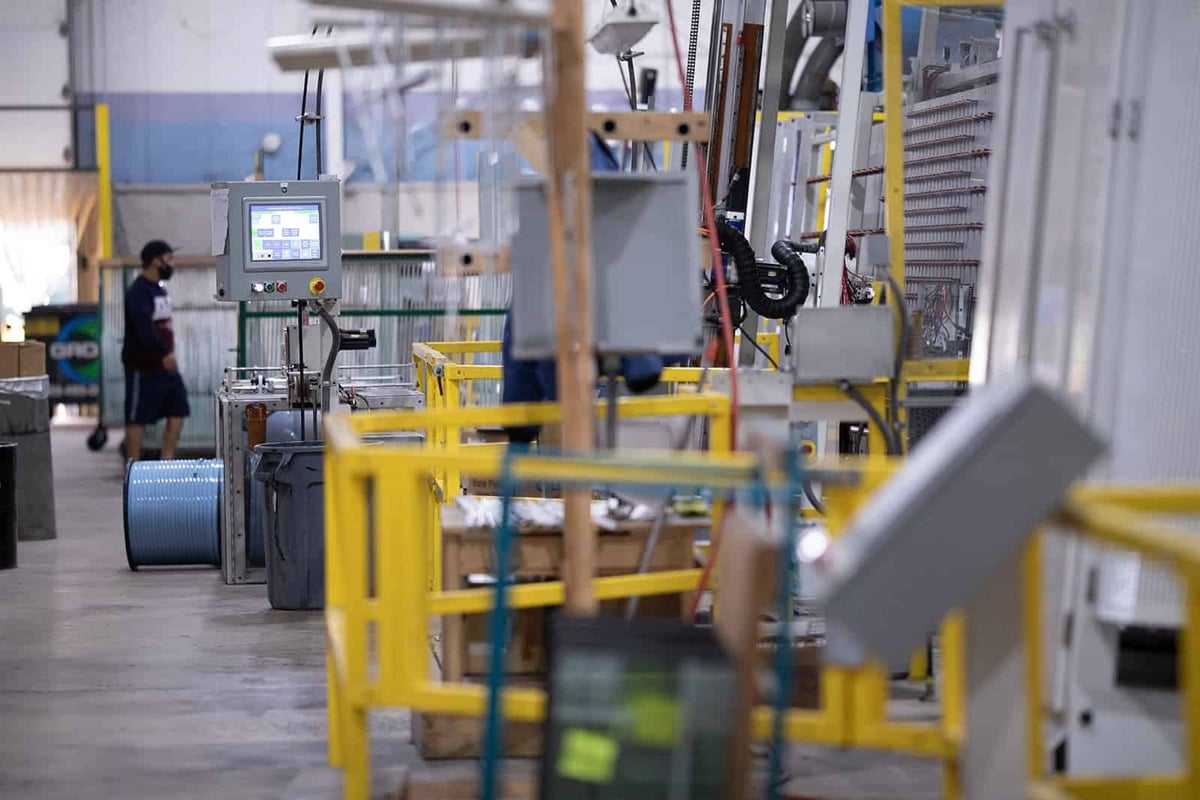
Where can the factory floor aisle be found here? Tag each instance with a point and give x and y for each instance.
(169, 684)
(151, 684)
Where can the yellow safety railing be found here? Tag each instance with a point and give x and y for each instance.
(444, 368)
(1137, 518)
(379, 604)
(379, 600)
(442, 379)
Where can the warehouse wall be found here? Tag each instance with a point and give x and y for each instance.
(192, 93)
(180, 212)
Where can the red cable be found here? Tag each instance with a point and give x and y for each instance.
(710, 224)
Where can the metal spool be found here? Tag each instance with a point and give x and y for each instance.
(172, 512)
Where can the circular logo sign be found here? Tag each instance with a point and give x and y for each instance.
(77, 350)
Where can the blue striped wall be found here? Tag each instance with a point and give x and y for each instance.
(204, 137)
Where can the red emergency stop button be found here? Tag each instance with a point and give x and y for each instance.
(316, 286)
(281, 286)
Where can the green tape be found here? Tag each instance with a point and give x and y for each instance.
(588, 756)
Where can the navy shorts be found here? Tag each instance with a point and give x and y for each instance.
(151, 396)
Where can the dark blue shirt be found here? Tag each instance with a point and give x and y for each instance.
(149, 335)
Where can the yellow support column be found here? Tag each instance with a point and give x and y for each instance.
(1031, 618)
(354, 727)
(104, 181)
(335, 690)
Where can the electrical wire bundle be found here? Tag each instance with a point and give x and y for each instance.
(939, 326)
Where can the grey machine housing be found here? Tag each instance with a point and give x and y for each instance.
(238, 277)
(645, 267)
(964, 503)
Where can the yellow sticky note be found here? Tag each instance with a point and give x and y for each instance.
(588, 756)
(655, 719)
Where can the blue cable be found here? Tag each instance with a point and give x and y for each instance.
(783, 646)
(498, 628)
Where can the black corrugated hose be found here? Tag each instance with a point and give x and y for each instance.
(788, 254)
(750, 281)
(734, 244)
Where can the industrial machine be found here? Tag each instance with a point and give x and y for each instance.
(280, 241)
(1090, 231)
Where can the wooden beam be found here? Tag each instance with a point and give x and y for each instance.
(569, 199)
(453, 259)
(642, 126)
(531, 144)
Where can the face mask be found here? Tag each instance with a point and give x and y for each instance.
(165, 271)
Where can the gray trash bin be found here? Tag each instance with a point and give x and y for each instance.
(294, 523)
(25, 419)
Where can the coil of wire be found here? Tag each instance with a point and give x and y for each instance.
(172, 513)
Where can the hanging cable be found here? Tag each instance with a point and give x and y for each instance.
(754, 341)
(303, 394)
(898, 365)
(630, 85)
(710, 224)
(811, 495)
(320, 92)
(498, 629)
(889, 438)
(303, 119)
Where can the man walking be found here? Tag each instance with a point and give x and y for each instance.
(154, 389)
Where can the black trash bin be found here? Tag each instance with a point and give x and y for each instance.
(8, 505)
(294, 516)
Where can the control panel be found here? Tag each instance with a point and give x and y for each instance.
(277, 240)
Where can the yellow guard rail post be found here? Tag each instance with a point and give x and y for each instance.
(1128, 517)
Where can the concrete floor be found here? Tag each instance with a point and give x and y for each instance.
(169, 684)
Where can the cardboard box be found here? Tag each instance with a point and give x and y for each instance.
(10, 360)
(32, 361)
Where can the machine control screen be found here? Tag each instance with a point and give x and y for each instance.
(285, 232)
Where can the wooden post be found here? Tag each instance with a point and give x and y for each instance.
(569, 198)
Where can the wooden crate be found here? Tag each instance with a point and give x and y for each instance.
(440, 736)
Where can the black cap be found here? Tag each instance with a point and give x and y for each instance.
(153, 249)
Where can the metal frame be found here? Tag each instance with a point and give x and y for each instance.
(231, 448)
(529, 12)
(441, 376)
(854, 701)
(850, 113)
(802, 152)
(235, 395)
